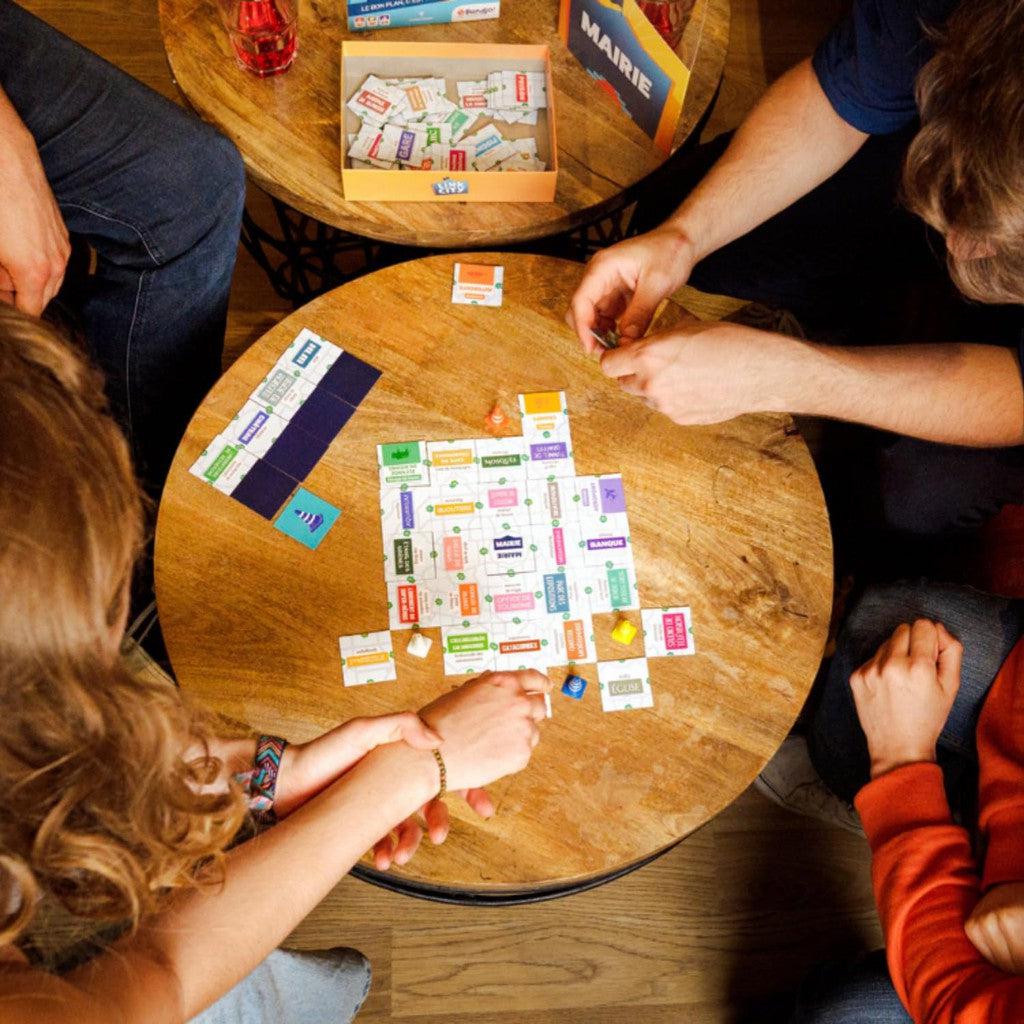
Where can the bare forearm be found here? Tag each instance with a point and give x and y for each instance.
(207, 941)
(952, 393)
(790, 142)
(11, 125)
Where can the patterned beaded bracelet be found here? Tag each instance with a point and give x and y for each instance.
(260, 783)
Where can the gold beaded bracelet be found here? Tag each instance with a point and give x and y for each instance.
(444, 775)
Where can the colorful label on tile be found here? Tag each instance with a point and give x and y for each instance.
(404, 454)
(676, 636)
(613, 495)
(500, 461)
(455, 508)
(547, 451)
(469, 599)
(508, 603)
(454, 559)
(575, 640)
(463, 643)
(558, 541)
(503, 497)
(542, 401)
(618, 588)
(408, 604)
(606, 543)
(556, 593)
(405, 504)
(403, 557)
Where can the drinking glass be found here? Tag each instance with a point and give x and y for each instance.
(669, 17)
(263, 33)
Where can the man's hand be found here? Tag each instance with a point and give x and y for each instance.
(697, 373)
(34, 242)
(623, 284)
(904, 693)
(996, 927)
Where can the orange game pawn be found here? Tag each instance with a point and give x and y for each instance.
(496, 422)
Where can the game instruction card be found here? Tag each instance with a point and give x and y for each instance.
(367, 658)
(625, 685)
(474, 284)
(667, 632)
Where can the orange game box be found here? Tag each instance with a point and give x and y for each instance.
(453, 62)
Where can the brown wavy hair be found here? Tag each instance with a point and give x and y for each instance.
(964, 170)
(100, 806)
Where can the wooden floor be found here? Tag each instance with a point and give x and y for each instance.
(707, 933)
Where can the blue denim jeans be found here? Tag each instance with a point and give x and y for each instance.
(158, 195)
(850, 993)
(988, 627)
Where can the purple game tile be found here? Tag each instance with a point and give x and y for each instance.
(322, 415)
(296, 451)
(264, 489)
(350, 379)
(613, 494)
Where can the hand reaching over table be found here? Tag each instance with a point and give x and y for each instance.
(484, 730)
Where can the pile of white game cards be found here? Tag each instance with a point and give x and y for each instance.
(412, 124)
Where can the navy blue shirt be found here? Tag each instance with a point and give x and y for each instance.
(867, 64)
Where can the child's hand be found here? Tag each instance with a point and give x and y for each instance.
(996, 927)
(904, 693)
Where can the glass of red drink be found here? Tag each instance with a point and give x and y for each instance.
(669, 17)
(263, 33)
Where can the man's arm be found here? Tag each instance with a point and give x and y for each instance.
(709, 372)
(789, 143)
(34, 242)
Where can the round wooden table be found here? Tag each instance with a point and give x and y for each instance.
(729, 520)
(287, 127)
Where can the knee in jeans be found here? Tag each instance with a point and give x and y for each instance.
(211, 189)
(222, 177)
(912, 513)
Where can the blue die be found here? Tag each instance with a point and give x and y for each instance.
(574, 686)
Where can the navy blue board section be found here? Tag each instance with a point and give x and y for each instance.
(296, 451)
(322, 415)
(350, 379)
(264, 489)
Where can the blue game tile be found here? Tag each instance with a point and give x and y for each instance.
(264, 489)
(307, 518)
(350, 379)
(296, 451)
(322, 415)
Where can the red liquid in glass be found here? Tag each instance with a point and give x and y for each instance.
(264, 39)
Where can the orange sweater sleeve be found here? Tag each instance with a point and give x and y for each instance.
(926, 885)
(1001, 760)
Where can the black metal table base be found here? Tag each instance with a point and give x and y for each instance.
(304, 257)
(510, 898)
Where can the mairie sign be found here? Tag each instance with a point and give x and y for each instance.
(630, 62)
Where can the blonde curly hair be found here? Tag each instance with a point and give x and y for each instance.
(100, 806)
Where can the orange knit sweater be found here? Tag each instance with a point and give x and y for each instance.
(927, 881)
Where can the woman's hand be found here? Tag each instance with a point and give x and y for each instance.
(996, 927)
(489, 726)
(904, 694)
(307, 768)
